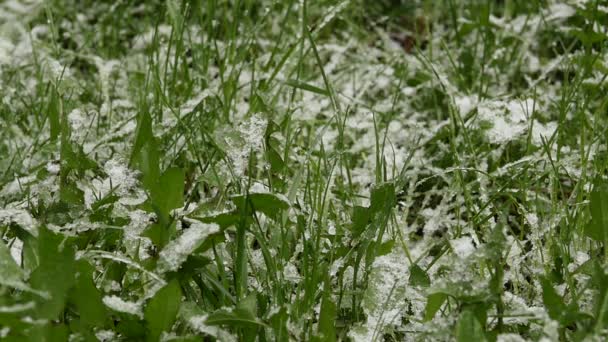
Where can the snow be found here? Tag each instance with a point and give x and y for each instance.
(463, 246)
(105, 335)
(465, 104)
(197, 323)
(252, 133)
(509, 338)
(559, 11)
(118, 304)
(120, 180)
(507, 119)
(542, 131)
(16, 249)
(178, 250)
(20, 217)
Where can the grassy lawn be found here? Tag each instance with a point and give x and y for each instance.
(298, 170)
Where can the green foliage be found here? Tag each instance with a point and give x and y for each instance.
(54, 274)
(161, 311)
(468, 328)
(379, 170)
(597, 228)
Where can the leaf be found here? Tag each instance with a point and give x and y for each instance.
(269, 204)
(327, 317)
(55, 273)
(274, 158)
(597, 228)
(468, 328)
(167, 193)
(306, 86)
(70, 193)
(235, 318)
(360, 219)
(145, 152)
(54, 112)
(419, 277)
(161, 311)
(434, 301)
(10, 273)
(385, 248)
(224, 220)
(602, 316)
(74, 158)
(242, 316)
(48, 332)
(553, 302)
(87, 297)
(382, 198)
(160, 234)
(171, 190)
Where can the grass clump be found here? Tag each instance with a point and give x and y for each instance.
(303, 170)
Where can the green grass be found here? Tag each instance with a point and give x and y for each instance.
(303, 170)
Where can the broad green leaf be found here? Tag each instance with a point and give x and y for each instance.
(597, 228)
(145, 153)
(161, 311)
(601, 322)
(468, 328)
(55, 273)
(70, 193)
(224, 220)
(171, 190)
(327, 317)
(87, 297)
(274, 158)
(74, 158)
(361, 218)
(269, 204)
(132, 329)
(49, 332)
(385, 248)
(160, 234)
(382, 198)
(434, 301)
(419, 277)
(553, 302)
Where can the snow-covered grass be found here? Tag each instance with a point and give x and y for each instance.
(303, 170)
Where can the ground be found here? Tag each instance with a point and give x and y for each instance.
(327, 170)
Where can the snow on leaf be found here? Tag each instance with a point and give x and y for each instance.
(118, 304)
(178, 250)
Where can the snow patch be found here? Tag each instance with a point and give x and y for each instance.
(118, 304)
(178, 250)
